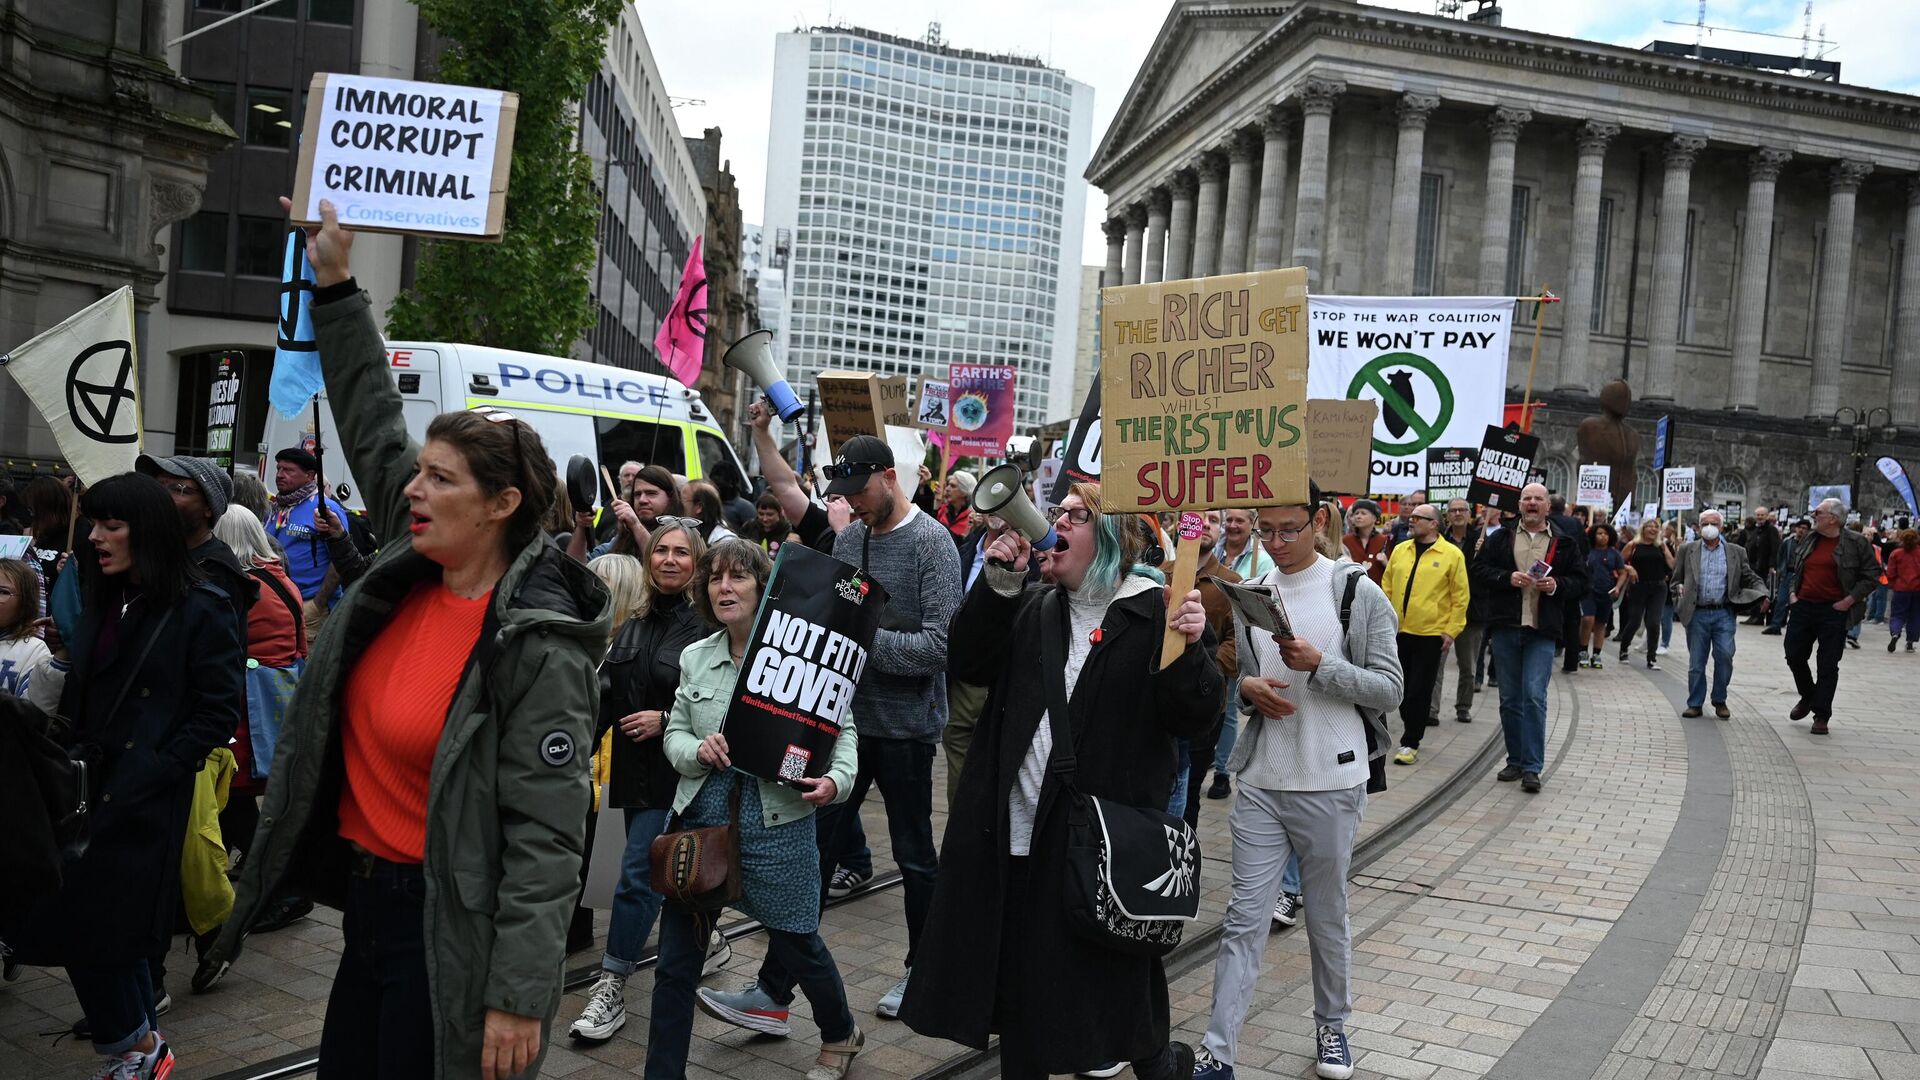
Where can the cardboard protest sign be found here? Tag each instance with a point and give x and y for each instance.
(1436, 364)
(1080, 464)
(1340, 444)
(1501, 468)
(83, 377)
(980, 408)
(809, 646)
(1449, 472)
(861, 403)
(1203, 387)
(425, 159)
(930, 411)
(1596, 482)
(1676, 489)
(223, 406)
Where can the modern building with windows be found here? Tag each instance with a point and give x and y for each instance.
(934, 199)
(1737, 235)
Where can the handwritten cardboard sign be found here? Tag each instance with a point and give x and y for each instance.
(1203, 388)
(1340, 443)
(862, 403)
(425, 159)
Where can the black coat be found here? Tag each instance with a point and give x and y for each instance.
(1077, 1005)
(182, 701)
(1492, 571)
(642, 672)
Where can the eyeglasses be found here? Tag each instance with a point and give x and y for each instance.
(186, 487)
(1079, 515)
(847, 470)
(675, 521)
(502, 416)
(1285, 536)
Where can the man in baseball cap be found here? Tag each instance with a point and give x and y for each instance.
(861, 458)
(201, 491)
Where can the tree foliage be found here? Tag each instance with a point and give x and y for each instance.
(529, 291)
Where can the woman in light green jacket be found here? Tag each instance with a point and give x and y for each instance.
(779, 859)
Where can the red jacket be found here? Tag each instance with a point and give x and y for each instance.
(1364, 553)
(1903, 569)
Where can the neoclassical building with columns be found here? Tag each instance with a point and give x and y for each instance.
(1742, 245)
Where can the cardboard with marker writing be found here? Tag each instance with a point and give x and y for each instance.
(412, 158)
(810, 643)
(1340, 443)
(1203, 391)
(862, 403)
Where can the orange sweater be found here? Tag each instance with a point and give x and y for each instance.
(396, 706)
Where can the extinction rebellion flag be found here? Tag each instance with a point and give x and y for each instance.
(809, 646)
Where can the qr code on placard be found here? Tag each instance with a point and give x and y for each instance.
(793, 765)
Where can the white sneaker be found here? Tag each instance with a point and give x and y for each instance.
(1111, 1068)
(606, 1010)
(719, 953)
(889, 1005)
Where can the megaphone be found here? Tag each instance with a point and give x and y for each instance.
(753, 354)
(1002, 492)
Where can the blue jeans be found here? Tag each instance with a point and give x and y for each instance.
(1229, 728)
(1290, 877)
(1782, 602)
(1177, 803)
(904, 771)
(1877, 604)
(117, 1002)
(1710, 629)
(1666, 624)
(635, 904)
(1523, 662)
(683, 948)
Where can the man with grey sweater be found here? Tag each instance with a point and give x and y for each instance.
(1315, 704)
(901, 702)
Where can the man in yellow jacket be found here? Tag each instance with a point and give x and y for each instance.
(1426, 580)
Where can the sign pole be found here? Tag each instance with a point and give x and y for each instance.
(1526, 398)
(1186, 565)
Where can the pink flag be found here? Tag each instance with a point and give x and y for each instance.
(682, 340)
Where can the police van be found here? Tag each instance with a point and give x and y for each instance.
(612, 415)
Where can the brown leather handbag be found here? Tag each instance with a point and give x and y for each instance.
(699, 869)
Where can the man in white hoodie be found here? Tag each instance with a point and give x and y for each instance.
(1315, 737)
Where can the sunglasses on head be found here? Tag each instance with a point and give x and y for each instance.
(846, 470)
(502, 416)
(692, 525)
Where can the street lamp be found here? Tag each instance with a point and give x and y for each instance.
(1859, 424)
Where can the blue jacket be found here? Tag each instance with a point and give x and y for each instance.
(306, 549)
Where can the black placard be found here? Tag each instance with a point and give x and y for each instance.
(1503, 467)
(810, 642)
(1082, 462)
(1449, 472)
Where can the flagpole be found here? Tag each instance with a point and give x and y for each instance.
(319, 484)
(1539, 320)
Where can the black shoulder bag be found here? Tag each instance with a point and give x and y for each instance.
(1133, 873)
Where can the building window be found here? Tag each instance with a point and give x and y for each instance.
(269, 120)
(1559, 473)
(1426, 236)
(1517, 242)
(1602, 248)
(203, 243)
(337, 12)
(1684, 330)
(1646, 497)
(260, 253)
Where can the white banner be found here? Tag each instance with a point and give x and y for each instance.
(84, 378)
(1676, 490)
(1595, 487)
(1436, 364)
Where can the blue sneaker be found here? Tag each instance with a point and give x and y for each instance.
(1336, 1060)
(1206, 1068)
(750, 1007)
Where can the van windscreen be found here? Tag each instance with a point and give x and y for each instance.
(644, 441)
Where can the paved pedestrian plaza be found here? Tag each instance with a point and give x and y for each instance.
(1687, 898)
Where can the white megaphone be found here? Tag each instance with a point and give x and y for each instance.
(1002, 492)
(753, 354)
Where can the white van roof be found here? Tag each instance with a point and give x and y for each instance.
(559, 384)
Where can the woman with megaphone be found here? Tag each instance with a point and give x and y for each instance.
(1003, 954)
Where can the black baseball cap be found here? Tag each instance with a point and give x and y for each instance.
(860, 457)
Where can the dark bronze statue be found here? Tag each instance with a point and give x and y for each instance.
(1607, 440)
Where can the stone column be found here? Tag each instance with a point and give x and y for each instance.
(1136, 228)
(1116, 231)
(1750, 303)
(1180, 228)
(1496, 220)
(1669, 257)
(1274, 128)
(1310, 204)
(1206, 219)
(1576, 368)
(1836, 271)
(1409, 155)
(1905, 399)
(1156, 257)
(1233, 239)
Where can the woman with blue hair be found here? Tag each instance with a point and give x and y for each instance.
(999, 955)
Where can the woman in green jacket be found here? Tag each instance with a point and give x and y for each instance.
(432, 775)
(779, 860)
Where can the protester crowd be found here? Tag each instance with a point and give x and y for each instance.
(411, 715)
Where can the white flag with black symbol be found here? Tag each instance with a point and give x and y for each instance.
(83, 377)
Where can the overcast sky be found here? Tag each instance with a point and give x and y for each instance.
(721, 51)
